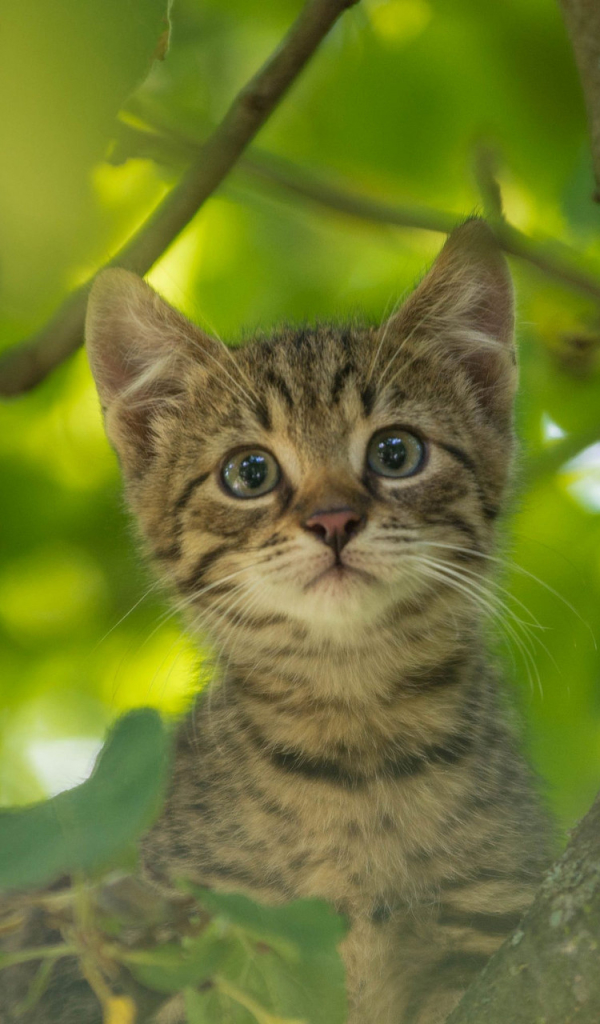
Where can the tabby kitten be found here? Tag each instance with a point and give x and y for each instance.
(323, 503)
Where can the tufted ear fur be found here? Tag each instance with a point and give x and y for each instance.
(464, 309)
(141, 351)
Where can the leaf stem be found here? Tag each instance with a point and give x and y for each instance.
(258, 1012)
(38, 953)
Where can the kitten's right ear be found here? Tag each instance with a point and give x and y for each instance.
(140, 350)
(463, 310)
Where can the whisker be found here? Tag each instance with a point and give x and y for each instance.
(491, 611)
(155, 586)
(383, 336)
(524, 572)
(494, 583)
(497, 604)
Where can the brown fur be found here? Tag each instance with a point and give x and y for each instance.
(355, 746)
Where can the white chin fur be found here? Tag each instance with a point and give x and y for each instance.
(336, 604)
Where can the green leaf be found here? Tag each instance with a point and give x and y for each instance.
(89, 827)
(292, 966)
(306, 923)
(197, 1007)
(67, 68)
(175, 966)
(281, 963)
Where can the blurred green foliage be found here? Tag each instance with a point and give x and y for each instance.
(394, 104)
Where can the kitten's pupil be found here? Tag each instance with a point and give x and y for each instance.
(253, 471)
(392, 453)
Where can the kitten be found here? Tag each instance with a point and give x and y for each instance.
(323, 504)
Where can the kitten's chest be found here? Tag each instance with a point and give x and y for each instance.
(279, 838)
(357, 849)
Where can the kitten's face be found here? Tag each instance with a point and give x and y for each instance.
(325, 475)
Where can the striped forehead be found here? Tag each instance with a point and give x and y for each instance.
(311, 380)
(314, 386)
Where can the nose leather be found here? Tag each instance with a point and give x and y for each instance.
(335, 527)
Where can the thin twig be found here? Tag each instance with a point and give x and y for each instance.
(165, 147)
(27, 365)
(300, 183)
(484, 171)
(22, 956)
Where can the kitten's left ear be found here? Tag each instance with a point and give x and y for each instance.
(464, 309)
(141, 351)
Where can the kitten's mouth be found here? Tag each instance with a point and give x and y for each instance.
(339, 571)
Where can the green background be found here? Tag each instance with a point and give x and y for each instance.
(395, 105)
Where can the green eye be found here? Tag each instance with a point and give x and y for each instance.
(395, 453)
(250, 474)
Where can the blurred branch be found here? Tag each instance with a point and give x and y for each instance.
(582, 18)
(510, 239)
(163, 146)
(548, 970)
(290, 178)
(25, 366)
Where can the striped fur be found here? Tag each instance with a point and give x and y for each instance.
(356, 746)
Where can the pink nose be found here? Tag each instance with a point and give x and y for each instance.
(336, 527)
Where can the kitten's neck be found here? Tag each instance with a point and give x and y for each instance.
(367, 663)
(406, 678)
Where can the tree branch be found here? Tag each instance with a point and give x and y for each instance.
(582, 18)
(510, 239)
(548, 971)
(27, 365)
(163, 146)
(160, 144)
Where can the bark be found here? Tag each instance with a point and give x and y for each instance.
(549, 971)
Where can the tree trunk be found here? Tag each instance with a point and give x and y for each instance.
(549, 971)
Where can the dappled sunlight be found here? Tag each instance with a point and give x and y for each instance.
(157, 667)
(60, 764)
(133, 187)
(205, 251)
(49, 742)
(63, 440)
(581, 477)
(551, 431)
(397, 22)
(519, 203)
(50, 592)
